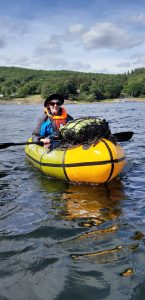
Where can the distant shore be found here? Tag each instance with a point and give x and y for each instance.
(36, 99)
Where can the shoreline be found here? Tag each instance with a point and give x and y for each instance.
(36, 99)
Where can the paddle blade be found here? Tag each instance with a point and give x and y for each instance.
(6, 145)
(123, 136)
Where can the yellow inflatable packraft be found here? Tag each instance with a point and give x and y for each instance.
(97, 163)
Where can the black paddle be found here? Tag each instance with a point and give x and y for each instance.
(120, 137)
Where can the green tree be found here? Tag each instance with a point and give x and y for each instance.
(96, 90)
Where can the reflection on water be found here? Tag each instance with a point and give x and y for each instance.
(95, 202)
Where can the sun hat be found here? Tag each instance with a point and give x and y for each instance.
(52, 97)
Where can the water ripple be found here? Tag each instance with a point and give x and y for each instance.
(65, 241)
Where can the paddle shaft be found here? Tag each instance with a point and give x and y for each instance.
(120, 137)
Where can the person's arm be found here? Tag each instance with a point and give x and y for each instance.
(46, 133)
(46, 129)
(36, 133)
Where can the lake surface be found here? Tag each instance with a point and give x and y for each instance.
(63, 241)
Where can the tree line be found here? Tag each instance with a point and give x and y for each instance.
(20, 82)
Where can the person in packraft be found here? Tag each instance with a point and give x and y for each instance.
(55, 116)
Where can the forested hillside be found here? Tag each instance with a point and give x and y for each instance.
(20, 82)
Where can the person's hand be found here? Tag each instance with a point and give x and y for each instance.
(46, 142)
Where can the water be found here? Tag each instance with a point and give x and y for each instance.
(63, 241)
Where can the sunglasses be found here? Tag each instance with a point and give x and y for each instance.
(55, 103)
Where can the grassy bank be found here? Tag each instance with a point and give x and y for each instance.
(34, 99)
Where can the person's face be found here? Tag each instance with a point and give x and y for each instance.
(54, 106)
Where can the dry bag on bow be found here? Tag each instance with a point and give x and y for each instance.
(84, 130)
